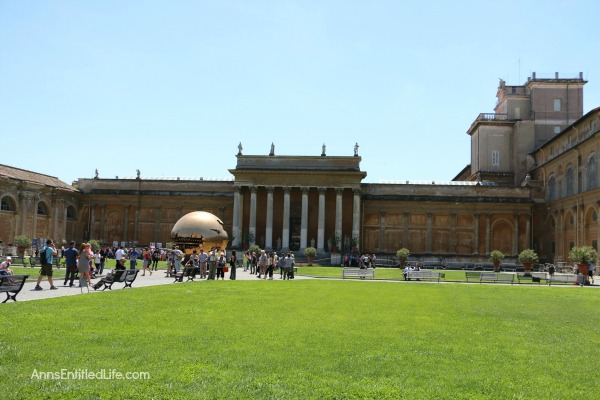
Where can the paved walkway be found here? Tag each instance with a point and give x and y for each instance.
(157, 278)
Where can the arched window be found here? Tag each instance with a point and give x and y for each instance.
(42, 209)
(71, 212)
(552, 188)
(570, 183)
(7, 204)
(592, 180)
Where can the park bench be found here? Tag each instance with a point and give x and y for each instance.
(358, 273)
(564, 278)
(130, 277)
(427, 274)
(110, 279)
(531, 277)
(496, 277)
(12, 285)
(187, 272)
(472, 275)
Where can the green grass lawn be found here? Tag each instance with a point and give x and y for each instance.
(314, 339)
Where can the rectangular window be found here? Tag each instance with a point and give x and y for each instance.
(556, 104)
(495, 158)
(556, 130)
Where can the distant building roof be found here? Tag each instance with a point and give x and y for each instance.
(23, 175)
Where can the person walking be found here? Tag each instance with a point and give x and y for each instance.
(146, 261)
(155, 259)
(212, 264)
(71, 255)
(83, 266)
(269, 271)
(103, 255)
(262, 264)
(233, 265)
(46, 270)
(203, 260)
(221, 261)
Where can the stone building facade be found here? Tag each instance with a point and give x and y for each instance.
(532, 183)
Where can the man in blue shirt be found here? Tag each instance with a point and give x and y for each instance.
(46, 270)
(133, 255)
(71, 255)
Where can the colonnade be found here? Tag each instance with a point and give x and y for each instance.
(238, 213)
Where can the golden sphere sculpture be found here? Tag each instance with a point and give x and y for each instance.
(199, 230)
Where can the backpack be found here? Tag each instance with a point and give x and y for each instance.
(43, 258)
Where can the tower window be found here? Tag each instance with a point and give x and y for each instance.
(556, 130)
(495, 158)
(556, 104)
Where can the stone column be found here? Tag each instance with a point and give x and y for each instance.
(476, 233)
(321, 222)
(356, 216)
(237, 232)
(488, 233)
(252, 224)
(102, 223)
(558, 237)
(528, 231)
(382, 227)
(429, 239)
(92, 220)
(285, 240)
(36, 200)
(64, 224)
(338, 216)
(304, 219)
(515, 241)
(27, 200)
(269, 227)
(56, 213)
(405, 223)
(453, 232)
(126, 223)
(157, 213)
(136, 224)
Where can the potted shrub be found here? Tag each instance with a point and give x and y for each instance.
(310, 253)
(527, 257)
(22, 242)
(496, 257)
(402, 256)
(583, 256)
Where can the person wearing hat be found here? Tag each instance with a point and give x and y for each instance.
(5, 267)
(46, 270)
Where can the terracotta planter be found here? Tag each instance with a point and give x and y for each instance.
(584, 269)
(310, 260)
(402, 262)
(496, 265)
(527, 268)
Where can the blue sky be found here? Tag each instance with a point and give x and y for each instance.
(171, 87)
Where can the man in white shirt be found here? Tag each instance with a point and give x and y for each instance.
(119, 256)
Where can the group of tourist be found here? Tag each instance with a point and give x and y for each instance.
(263, 265)
(360, 261)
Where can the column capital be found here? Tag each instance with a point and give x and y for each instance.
(253, 189)
(339, 190)
(287, 189)
(305, 189)
(322, 190)
(357, 191)
(270, 189)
